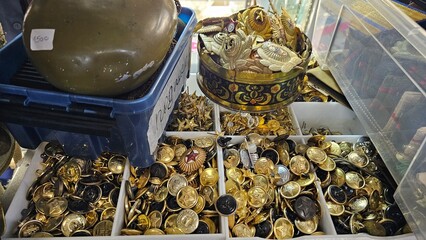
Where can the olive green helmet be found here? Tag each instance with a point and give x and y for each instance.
(98, 47)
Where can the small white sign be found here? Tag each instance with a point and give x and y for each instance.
(165, 104)
(42, 39)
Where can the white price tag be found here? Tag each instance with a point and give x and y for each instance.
(165, 104)
(42, 39)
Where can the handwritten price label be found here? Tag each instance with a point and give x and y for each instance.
(42, 39)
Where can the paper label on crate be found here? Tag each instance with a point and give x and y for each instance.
(165, 104)
(42, 39)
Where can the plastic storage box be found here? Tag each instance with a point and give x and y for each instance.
(86, 125)
(378, 56)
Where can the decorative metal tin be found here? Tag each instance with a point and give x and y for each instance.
(248, 91)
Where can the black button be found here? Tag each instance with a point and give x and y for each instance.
(92, 194)
(158, 170)
(106, 188)
(270, 154)
(337, 194)
(202, 228)
(79, 206)
(263, 229)
(172, 203)
(226, 204)
(305, 208)
(113, 196)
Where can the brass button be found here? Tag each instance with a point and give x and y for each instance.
(264, 166)
(165, 154)
(257, 197)
(187, 220)
(72, 223)
(175, 183)
(154, 231)
(29, 228)
(299, 165)
(338, 177)
(335, 209)
(235, 174)
(242, 230)
(354, 180)
(209, 177)
(308, 226)
(290, 190)
(328, 165)
(358, 204)
(116, 164)
(358, 159)
(56, 207)
(103, 228)
(187, 197)
(316, 155)
(156, 219)
(283, 228)
(41, 235)
(231, 158)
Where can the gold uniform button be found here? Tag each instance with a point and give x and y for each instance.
(335, 149)
(306, 179)
(358, 159)
(143, 222)
(358, 204)
(290, 190)
(235, 174)
(204, 142)
(161, 194)
(299, 165)
(103, 228)
(165, 154)
(187, 197)
(257, 197)
(56, 207)
(328, 165)
(338, 177)
(187, 220)
(231, 186)
(316, 155)
(175, 183)
(29, 228)
(335, 209)
(72, 223)
(130, 232)
(242, 230)
(260, 180)
(283, 228)
(209, 177)
(156, 219)
(107, 214)
(116, 164)
(307, 226)
(354, 180)
(154, 231)
(264, 165)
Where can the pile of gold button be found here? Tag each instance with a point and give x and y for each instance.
(358, 196)
(194, 113)
(72, 196)
(274, 187)
(177, 194)
(273, 123)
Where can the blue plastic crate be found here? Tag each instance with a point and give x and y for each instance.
(86, 125)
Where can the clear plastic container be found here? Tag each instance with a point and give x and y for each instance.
(378, 56)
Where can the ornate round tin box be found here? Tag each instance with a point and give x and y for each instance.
(245, 68)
